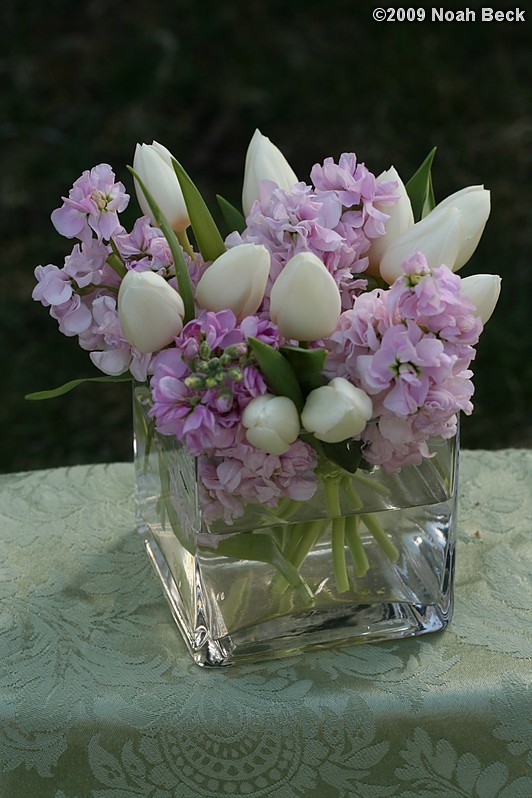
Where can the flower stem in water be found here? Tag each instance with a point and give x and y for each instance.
(379, 533)
(356, 547)
(338, 554)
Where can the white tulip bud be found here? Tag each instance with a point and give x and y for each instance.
(483, 290)
(236, 280)
(150, 311)
(438, 236)
(401, 219)
(474, 205)
(305, 301)
(272, 423)
(264, 161)
(337, 411)
(153, 164)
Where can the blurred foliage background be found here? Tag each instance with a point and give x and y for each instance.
(82, 83)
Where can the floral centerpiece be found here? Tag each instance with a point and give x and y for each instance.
(297, 388)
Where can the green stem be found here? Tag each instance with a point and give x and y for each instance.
(185, 243)
(311, 534)
(117, 264)
(332, 497)
(356, 547)
(377, 530)
(349, 489)
(312, 531)
(293, 541)
(332, 501)
(278, 535)
(338, 554)
(279, 583)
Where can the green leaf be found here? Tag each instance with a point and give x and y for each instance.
(307, 365)
(347, 454)
(277, 372)
(419, 188)
(207, 235)
(183, 278)
(261, 547)
(115, 260)
(69, 386)
(233, 218)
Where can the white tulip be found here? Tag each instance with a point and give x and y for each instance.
(337, 411)
(483, 290)
(474, 205)
(272, 423)
(264, 161)
(401, 219)
(236, 280)
(150, 311)
(438, 236)
(153, 164)
(449, 234)
(305, 301)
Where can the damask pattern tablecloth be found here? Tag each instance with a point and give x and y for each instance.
(98, 697)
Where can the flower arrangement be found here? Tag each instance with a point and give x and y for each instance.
(328, 332)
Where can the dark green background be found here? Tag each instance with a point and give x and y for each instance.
(83, 82)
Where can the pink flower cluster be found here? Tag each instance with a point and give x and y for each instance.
(336, 219)
(240, 474)
(82, 295)
(200, 388)
(409, 348)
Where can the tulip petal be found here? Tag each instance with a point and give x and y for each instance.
(183, 278)
(474, 206)
(438, 237)
(236, 280)
(305, 301)
(264, 161)
(483, 291)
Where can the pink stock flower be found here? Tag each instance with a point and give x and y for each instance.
(86, 263)
(409, 348)
(92, 206)
(240, 474)
(53, 286)
(200, 386)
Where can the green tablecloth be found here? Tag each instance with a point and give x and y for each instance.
(98, 696)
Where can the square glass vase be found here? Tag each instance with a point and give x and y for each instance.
(369, 557)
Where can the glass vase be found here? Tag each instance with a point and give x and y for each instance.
(369, 557)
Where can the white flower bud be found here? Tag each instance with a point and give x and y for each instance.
(483, 290)
(401, 219)
(438, 236)
(272, 423)
(150, 311)
(305, 301)
(153, 164)
(474, 205)
(337, 411)
(264, 161)
(236, 280)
